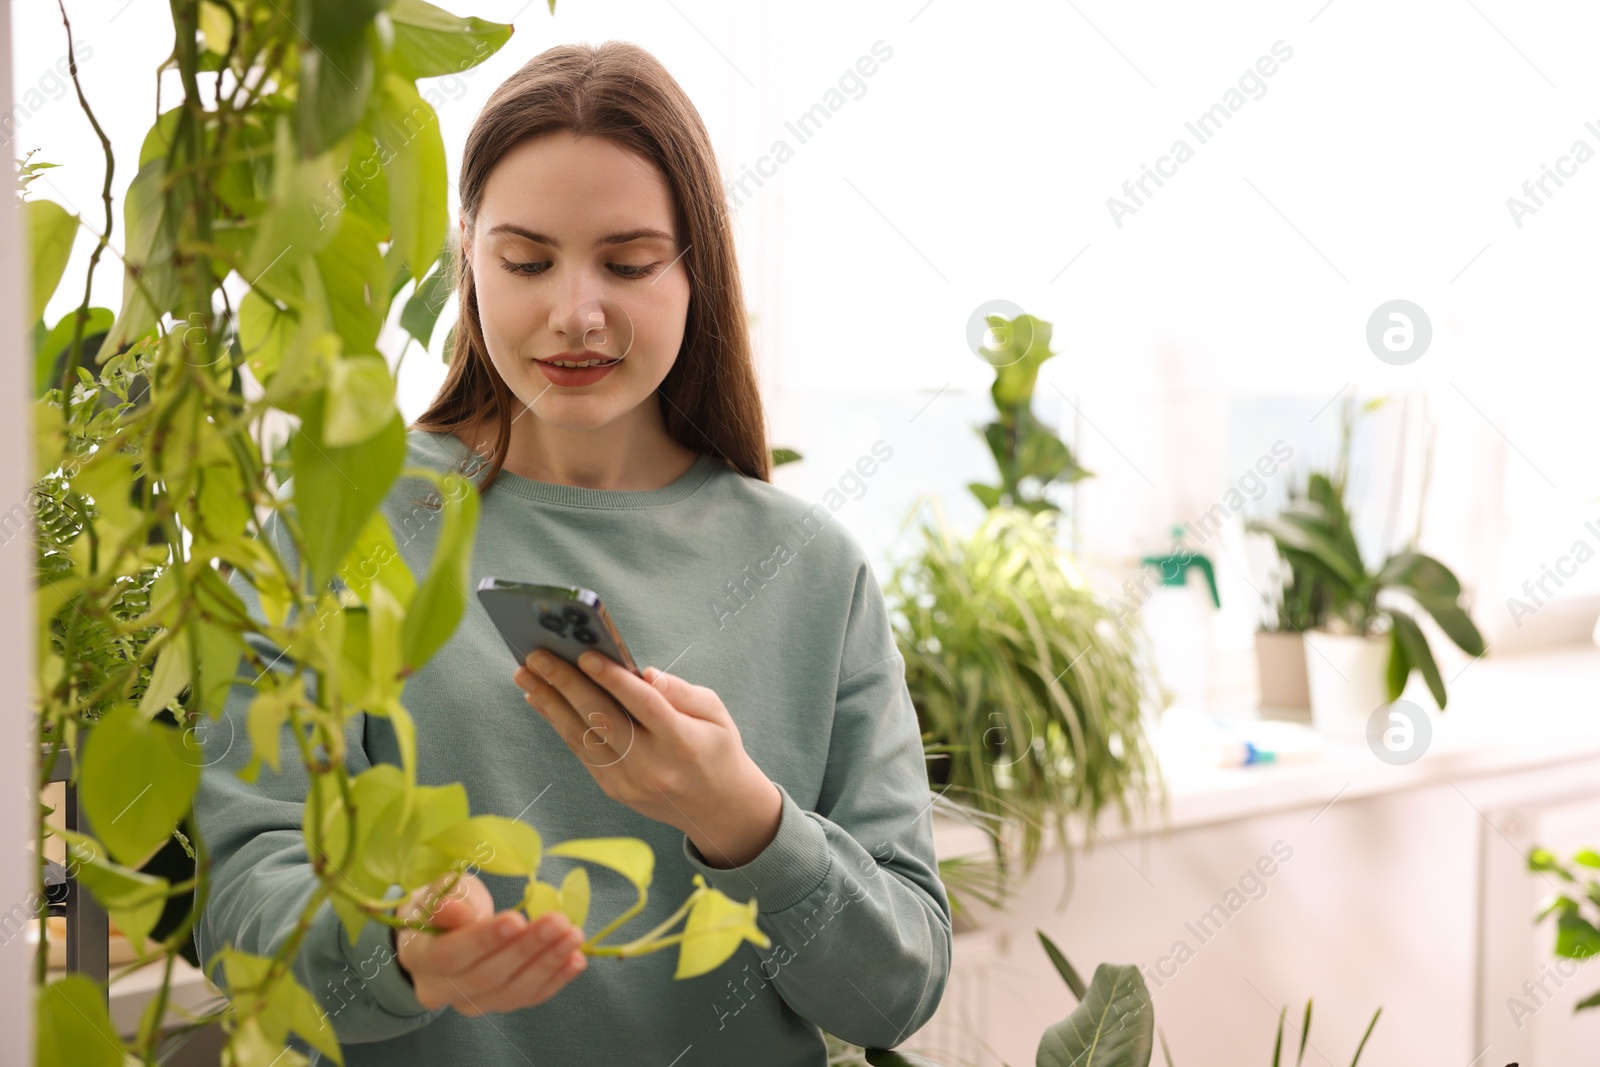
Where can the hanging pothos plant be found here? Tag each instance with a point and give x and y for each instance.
(257, 277)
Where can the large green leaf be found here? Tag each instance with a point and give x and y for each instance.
(878, 1057)
(134, 899)
(356, 282)
(1298, 529)
(717, 925)
(75, 1029)
(336, 72)
(149, 281)
(295, 224)
(375, 558)
(415, 169)
(421, 312)
(436, 608)
(51, 230)
(513, 845)
(336, 489)
(1113, 1027)
(1457, 625)
(1024, 346)
(288, 1006)
(1418, 654)
(1420, 575)
(1576, 937)
(137, 782)
(1399, 667)
(628, 856)
(52, 348)
(429, 41)
(360, 400)
(1069, 973)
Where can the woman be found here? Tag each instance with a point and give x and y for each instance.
(780, 759)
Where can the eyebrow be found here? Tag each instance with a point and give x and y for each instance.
(638, 234)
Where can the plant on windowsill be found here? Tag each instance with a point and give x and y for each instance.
(1294, 603)
(1029, 697)
(1361, 653)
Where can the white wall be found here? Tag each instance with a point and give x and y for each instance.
(18, 766)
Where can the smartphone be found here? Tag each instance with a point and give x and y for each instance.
(564, 620)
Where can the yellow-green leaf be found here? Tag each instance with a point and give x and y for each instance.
(264, 721)
(360, 400)
(715, 928)
(628, 856)
(430, 42)
(133, 898)
(51, 230)
(337, 489)
(374, 558)
(575, 896)
(416, 174)
(172, 672)
(513, 846)
(137, 781)
(539, 898)
(436, 609)
(74, 1027)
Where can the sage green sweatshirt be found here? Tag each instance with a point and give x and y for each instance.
(730, 583)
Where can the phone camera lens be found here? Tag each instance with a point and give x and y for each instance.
(552, 622)
(574, 616)
(586, 636)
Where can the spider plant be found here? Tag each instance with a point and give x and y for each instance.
(1029, 697)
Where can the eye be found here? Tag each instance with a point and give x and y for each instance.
(622, 270)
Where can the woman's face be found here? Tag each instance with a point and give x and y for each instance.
(575, 250)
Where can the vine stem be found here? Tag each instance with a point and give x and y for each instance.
(82, 313)
(593, 942)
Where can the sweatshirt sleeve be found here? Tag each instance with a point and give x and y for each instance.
(850, 893)
(261, 876)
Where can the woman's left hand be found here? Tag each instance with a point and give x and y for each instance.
(665, 747)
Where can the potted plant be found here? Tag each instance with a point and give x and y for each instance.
(1297, 603)
(1362, 654)
(1030, 699)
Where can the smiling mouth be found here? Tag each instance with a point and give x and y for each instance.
(578, 364)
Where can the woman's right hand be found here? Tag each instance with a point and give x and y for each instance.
(484, 961)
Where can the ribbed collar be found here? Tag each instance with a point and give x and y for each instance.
(573, 496)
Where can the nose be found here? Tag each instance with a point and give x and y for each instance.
(598, 324)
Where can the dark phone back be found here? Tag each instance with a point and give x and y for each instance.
(564, 620)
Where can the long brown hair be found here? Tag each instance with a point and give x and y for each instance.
(710, 399)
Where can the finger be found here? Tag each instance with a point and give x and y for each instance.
(646, 702)
(541, 979)
(467, 901)
(489, 982)
(517, 985)
(597, 731)
(459, 951)
(681, 696)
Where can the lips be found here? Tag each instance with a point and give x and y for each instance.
(580, 358)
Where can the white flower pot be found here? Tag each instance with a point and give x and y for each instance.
(1345, 674)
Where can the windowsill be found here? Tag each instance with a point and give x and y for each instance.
(1506, 713)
